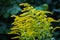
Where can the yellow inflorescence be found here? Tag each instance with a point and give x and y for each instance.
(32, 23)
(55, 29)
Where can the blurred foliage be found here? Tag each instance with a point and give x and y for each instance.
(42, 7)
(32, 24)
(3, 27)
(8, 8)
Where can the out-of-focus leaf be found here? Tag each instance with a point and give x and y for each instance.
(6, 15)
(2, 27)
(14, 10)
(42, 7)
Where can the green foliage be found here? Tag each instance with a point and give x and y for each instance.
(32, 24)
(42, 7)
(3, 27)
(8, 8)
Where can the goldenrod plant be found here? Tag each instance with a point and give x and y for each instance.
(32, 24)
(55, 29)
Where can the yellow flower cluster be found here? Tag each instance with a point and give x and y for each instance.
(55, 29)
(31, 24)
(27, 7)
